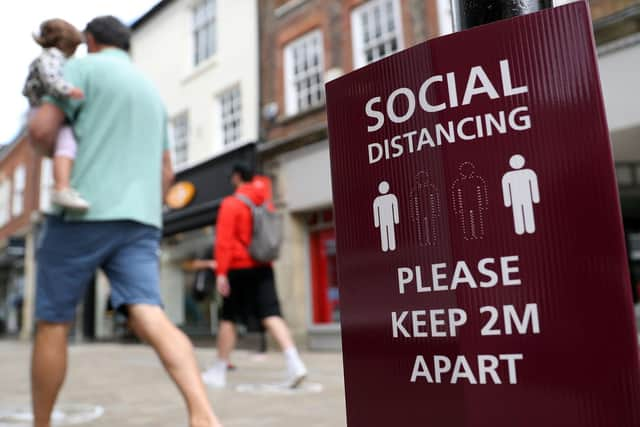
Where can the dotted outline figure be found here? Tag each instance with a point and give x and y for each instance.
(386, 216)
(470, 197)
(521, 191)
(425, 208)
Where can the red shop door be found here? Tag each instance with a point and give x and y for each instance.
(324, 278)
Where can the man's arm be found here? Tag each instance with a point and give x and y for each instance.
(199, 264)
(44, 126)
(167, 172)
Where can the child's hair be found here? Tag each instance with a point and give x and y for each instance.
(60, 34)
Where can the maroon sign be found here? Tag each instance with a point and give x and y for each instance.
(481, 256)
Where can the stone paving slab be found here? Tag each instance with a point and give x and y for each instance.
(125, 385)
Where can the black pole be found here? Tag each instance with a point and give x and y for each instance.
(470, 13)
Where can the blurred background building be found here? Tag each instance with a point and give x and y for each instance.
(243, 81)
(617, 31)
(203, 57)
(25, 183)
(304, 44)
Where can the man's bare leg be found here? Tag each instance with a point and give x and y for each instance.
(216, 375)
(176, 353)
(279, 331)
(226, 340)
(48, 369)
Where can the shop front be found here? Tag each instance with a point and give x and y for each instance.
(188, 234)
(325, 292)
(12, 286)
(306, 270)
(628, 174)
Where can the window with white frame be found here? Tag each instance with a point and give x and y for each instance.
(304, 68)
(230, 106)
(204, 30)
(19, 185)
(46, 184)
(377, 31)
(180, 137)
(5, 201)
(445, 17)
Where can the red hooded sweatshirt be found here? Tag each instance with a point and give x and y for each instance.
(234, 227)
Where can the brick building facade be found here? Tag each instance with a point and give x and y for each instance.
(604, 8)
(305, 43)
(21, 186)
(285, 21)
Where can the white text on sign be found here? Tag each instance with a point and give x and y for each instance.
(478, 83)
(504, 320)
(442, 323)
(485, 275)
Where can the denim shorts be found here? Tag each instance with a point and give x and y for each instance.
(70, 252)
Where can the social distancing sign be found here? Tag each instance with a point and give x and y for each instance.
(481, 257)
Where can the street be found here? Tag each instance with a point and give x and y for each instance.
(432, 207)
(125, 385)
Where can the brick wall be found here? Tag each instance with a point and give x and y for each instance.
(333, 17)
(602, 8)
(21, 154)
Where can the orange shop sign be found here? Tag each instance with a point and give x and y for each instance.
(180, 195)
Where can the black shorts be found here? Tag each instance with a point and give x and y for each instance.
(253, 295)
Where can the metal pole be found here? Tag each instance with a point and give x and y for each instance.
(470, 13)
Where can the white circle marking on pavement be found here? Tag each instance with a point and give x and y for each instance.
(305, 388)
(63, 415)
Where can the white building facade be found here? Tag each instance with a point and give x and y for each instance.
(203, 57)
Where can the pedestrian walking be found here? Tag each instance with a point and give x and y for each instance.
(122, 167)
(59, 41)
(247, 285)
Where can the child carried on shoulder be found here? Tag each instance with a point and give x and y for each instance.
(59, 40)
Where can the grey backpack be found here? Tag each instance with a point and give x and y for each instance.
(266, 237)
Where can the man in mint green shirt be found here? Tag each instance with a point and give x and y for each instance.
(122, 168)
(122, 128)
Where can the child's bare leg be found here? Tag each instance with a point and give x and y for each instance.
(63, 161)
(62, 167)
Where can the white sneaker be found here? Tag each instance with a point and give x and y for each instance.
(69, 198)
(296, 374)
(216, 376)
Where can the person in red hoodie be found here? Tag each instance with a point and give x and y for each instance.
(247, 286)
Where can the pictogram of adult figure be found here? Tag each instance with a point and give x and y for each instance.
(424, 203)
(386, 216)
(470, 201)
(521, 192)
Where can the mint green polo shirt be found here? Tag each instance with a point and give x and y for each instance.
(121, 129)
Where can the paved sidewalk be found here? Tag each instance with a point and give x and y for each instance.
(125, 385)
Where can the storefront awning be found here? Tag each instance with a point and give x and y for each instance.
(211, 181)
(13, 254)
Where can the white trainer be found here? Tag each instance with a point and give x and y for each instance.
(216, 376)
(296, 374)
(69, 198)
